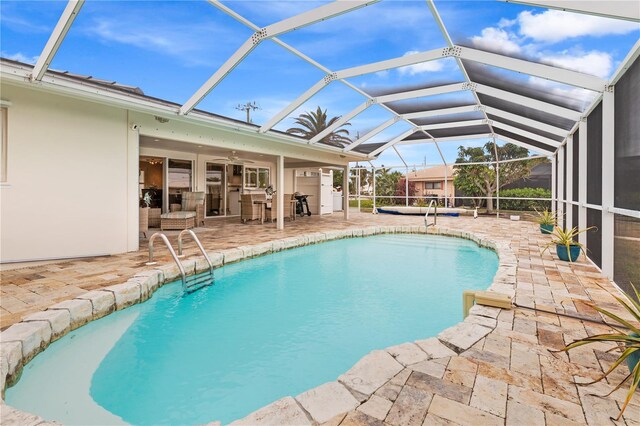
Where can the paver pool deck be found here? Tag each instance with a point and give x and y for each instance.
(497, 367)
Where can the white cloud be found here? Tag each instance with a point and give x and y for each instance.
(582, 96)
(595, 63)
(189, 42)
(431, 66)
(496, 40)
(555, 25)
(504, 22)
(20, 57)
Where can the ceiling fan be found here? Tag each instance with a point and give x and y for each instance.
(233, 158)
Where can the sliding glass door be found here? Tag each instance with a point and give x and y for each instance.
(215, 199)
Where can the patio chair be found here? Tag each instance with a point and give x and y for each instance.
(289, 212)
(248, 209)
(191, 202)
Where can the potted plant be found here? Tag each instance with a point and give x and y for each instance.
(628, 343)
(567, 248)
(547, 221)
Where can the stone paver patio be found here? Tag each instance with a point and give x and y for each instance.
(496, 367)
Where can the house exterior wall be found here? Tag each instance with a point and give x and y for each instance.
(73, 163)
(66, 189)
(421, 189)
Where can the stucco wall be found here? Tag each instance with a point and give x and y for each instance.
(66, 193)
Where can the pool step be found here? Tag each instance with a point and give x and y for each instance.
(196, 282)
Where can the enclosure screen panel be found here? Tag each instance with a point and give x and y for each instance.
(534, 114)
(626, 252)
(523, 139)
(565, 196)
(594, 156)
(594, 237)
(575, 175)
(627, 140)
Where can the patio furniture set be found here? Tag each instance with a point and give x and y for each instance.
(190, 212)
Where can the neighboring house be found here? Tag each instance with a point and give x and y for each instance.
(434, 181)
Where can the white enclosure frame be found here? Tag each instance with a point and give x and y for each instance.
(604, 89)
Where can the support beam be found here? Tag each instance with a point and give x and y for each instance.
(341, 122)
(439, 112)
(608, 168)
(345, 191)
(447, 139)
(453, 51)
(529, 102)
(431, 91)
(561, 194)
(453, 125)
(569, 195)
(295, 104)
(370, 134)
(219, 75)
(549, 72)
(582, 182)
(402, 61)
(526, 134)
(320, 13)
(392, 142)
(526, 121)
(554, 178)
(626, 10)
(312, 16)
(280, 192)
(56, 38)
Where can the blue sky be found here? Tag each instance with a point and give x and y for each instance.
(170, 48)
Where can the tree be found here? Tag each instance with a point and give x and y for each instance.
(314, 122)
(401, 187)
(480, 180)
(386, 184)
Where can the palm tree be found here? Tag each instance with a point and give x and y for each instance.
(314, 122)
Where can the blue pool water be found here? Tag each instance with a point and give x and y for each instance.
(271, 326)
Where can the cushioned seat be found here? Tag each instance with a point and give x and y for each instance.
(178, 215)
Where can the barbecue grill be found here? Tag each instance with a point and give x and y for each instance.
(301, 204)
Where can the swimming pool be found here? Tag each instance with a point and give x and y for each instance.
(272, 326)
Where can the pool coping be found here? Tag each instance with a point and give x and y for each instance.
(22, 341)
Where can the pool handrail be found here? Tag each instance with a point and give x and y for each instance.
(198, 243)
(164, 238)
(435, 214)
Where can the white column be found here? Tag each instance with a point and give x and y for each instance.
(582, 182)
(608, 163)
(280, 192)
(561, 194)
(359, 185)
(133, 189)
(446, 186)
(373, 170)
(554, 177)
(406, 187)
(345, 191)
(569, 195)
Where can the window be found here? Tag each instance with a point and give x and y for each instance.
(433, 185)
(3, 144)
(256, 177)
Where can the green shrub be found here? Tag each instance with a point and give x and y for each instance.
(365, 204)
(525, 205)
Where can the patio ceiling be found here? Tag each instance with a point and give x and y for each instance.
(501, 109)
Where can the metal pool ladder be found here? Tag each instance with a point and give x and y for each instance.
(435, 214)
(190, 283)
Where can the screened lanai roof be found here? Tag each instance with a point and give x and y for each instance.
(401, 73)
